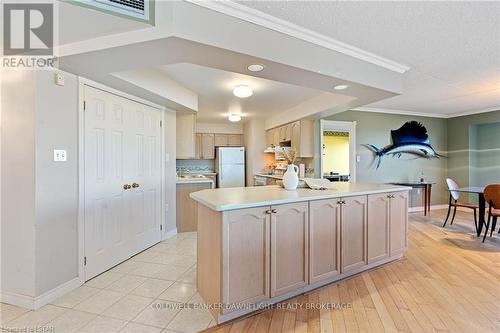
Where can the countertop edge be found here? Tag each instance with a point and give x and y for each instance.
(222, 208)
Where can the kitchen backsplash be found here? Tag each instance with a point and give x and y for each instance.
(195, 166)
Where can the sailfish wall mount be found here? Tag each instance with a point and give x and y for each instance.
(411, 138)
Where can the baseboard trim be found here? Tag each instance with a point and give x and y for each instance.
(34, 303)
(421, 208)
(170, 234)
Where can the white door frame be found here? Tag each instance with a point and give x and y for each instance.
(340, 126)
(82, 82)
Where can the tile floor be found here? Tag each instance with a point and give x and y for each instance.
(139, 295)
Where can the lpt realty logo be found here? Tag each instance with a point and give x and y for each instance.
(28, 35)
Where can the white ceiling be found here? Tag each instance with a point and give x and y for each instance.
(216, 100)
(77, 23)
(452, 48)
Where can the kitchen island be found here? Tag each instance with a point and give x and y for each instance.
(262, 245)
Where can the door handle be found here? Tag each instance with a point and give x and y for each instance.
(135, 185)
(126, 187)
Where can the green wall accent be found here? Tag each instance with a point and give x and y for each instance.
(471, 144)
(375, 128)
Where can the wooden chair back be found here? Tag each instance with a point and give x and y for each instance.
(492, 195)
(452, 185)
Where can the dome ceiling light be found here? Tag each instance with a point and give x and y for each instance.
(242, 91)
(234, 117)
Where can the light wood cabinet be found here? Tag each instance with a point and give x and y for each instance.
(207, 146)
(378, 226)
(185, 136)
(228, 140)
(285, 133)
(302, 138)
(269, 138)
(289, 247)
(246, 255)
(324, 239)
(197, 151)
(276, 137)
(186, 208)
(353, 233)
(398, 226)
(235, 140)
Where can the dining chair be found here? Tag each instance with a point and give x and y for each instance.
(492, 197)
(454, 196)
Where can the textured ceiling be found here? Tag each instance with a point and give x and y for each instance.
(453, 48)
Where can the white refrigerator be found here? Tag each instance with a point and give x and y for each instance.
(230, 166)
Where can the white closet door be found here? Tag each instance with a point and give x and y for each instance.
(119, 145)
(145, 171)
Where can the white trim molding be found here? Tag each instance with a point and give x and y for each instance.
(170, 234)
(423, 114)
(34, 303)
(245, 13)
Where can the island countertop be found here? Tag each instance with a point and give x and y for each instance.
(223, 199)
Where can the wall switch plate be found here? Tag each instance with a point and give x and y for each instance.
(59, 155)
(358, 158)
(59, 79)
(166, 207)
(167, 157)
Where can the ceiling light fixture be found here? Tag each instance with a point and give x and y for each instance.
(255, 67)
(341, 87)
(242, 91)
(234, 117)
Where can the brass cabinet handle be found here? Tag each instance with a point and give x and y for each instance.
(339, 202)
(274, 211)
(389, 196)
(268, 211)
(343, 202)
(135, 185)
(126, 187)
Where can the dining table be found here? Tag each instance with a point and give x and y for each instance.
(479, 190)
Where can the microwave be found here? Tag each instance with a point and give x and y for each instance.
(277, 151)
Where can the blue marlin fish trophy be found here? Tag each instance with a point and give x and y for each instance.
(411, 138)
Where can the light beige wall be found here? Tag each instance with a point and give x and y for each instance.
(56, 182)
(18, 182)
(255, 142)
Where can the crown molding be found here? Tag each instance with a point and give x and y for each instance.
(468, 113)
(424, 114)
(270, 22)
(402, 112)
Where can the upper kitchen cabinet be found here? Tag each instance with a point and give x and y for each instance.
(228, 140)
(205, 146)
(185, 136)
(302, 138)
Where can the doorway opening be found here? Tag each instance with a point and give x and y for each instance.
(338, 149)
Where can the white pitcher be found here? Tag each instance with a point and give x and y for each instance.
(290, 178)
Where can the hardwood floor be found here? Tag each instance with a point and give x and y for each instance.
(448, 281)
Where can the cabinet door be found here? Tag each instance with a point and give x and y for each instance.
(324, 239)
(235, 140)
(289, 247)
(295, 137)
(398, 223)
(185, 136)
(288, 132)
(207, 146)
(276, 136)
(245, 262)
(220, 140)
(378, 226)
(269, 138)
(198, 152)
(353, 237)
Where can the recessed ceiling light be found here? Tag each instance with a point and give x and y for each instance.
(255, 68)
(341, 87)
(242, 91)
(234, 117)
